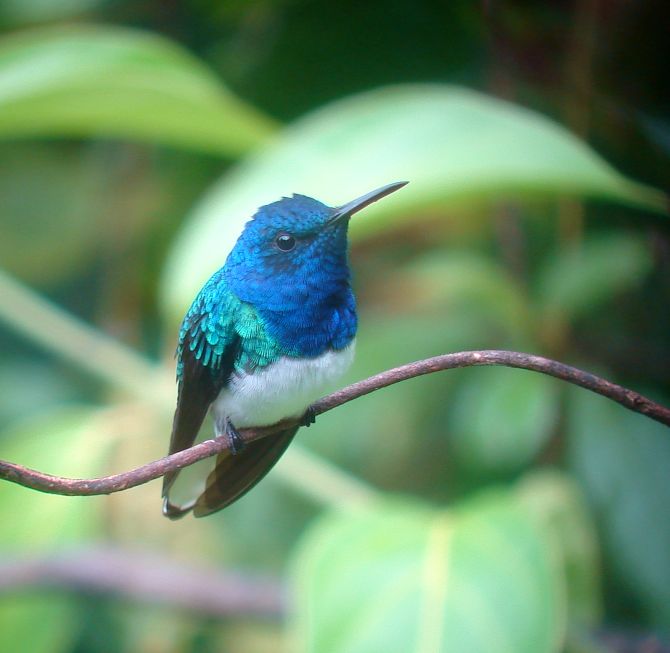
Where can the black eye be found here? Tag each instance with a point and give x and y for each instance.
(285, 242)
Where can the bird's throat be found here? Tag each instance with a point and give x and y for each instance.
(315, 326)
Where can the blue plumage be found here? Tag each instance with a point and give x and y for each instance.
(264, 337)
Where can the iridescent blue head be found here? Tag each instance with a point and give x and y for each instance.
(290, 264)
(294, 251)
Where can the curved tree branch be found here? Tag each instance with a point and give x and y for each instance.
(146, 578)
(118, 482)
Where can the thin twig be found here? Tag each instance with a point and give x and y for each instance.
(116, 483)
(146, 578)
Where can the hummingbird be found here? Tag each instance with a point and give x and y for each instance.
(263, 339)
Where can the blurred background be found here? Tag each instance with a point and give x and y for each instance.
(474, 510)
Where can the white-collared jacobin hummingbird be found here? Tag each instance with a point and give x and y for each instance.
(266, 335)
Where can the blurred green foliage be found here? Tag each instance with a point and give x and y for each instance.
(479, 510)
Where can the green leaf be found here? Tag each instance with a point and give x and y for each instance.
(559, 506)
(63, 442)
(66, 442)
(456, 147)
(622, 460)
(109, 81)
(579, 279)
(500, 418)
(401, 578)
(38, 624)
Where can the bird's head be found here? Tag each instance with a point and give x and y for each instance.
(294, 247)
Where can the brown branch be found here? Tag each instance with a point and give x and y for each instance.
(148, 579)
(108, 484)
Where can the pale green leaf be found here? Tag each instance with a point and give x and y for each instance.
(559, 506)
(413, 580)
(110, 81)
(38, 623)
(456, 147)
(65, 442)
(500, 418)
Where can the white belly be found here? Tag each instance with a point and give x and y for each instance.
(283, 389)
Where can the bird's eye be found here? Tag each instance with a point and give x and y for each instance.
(285, 242)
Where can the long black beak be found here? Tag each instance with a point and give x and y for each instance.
(348, 209)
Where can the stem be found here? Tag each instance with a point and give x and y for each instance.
(106, 485)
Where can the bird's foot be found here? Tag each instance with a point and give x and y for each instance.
(309, 417)
(237, 444)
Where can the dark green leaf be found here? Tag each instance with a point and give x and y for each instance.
(579, 279)
(623, 461)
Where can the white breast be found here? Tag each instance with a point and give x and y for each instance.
(283, 389)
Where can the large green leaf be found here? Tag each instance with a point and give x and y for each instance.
(456, 147)
(623, 459)
(118, 82)
(409, 579)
